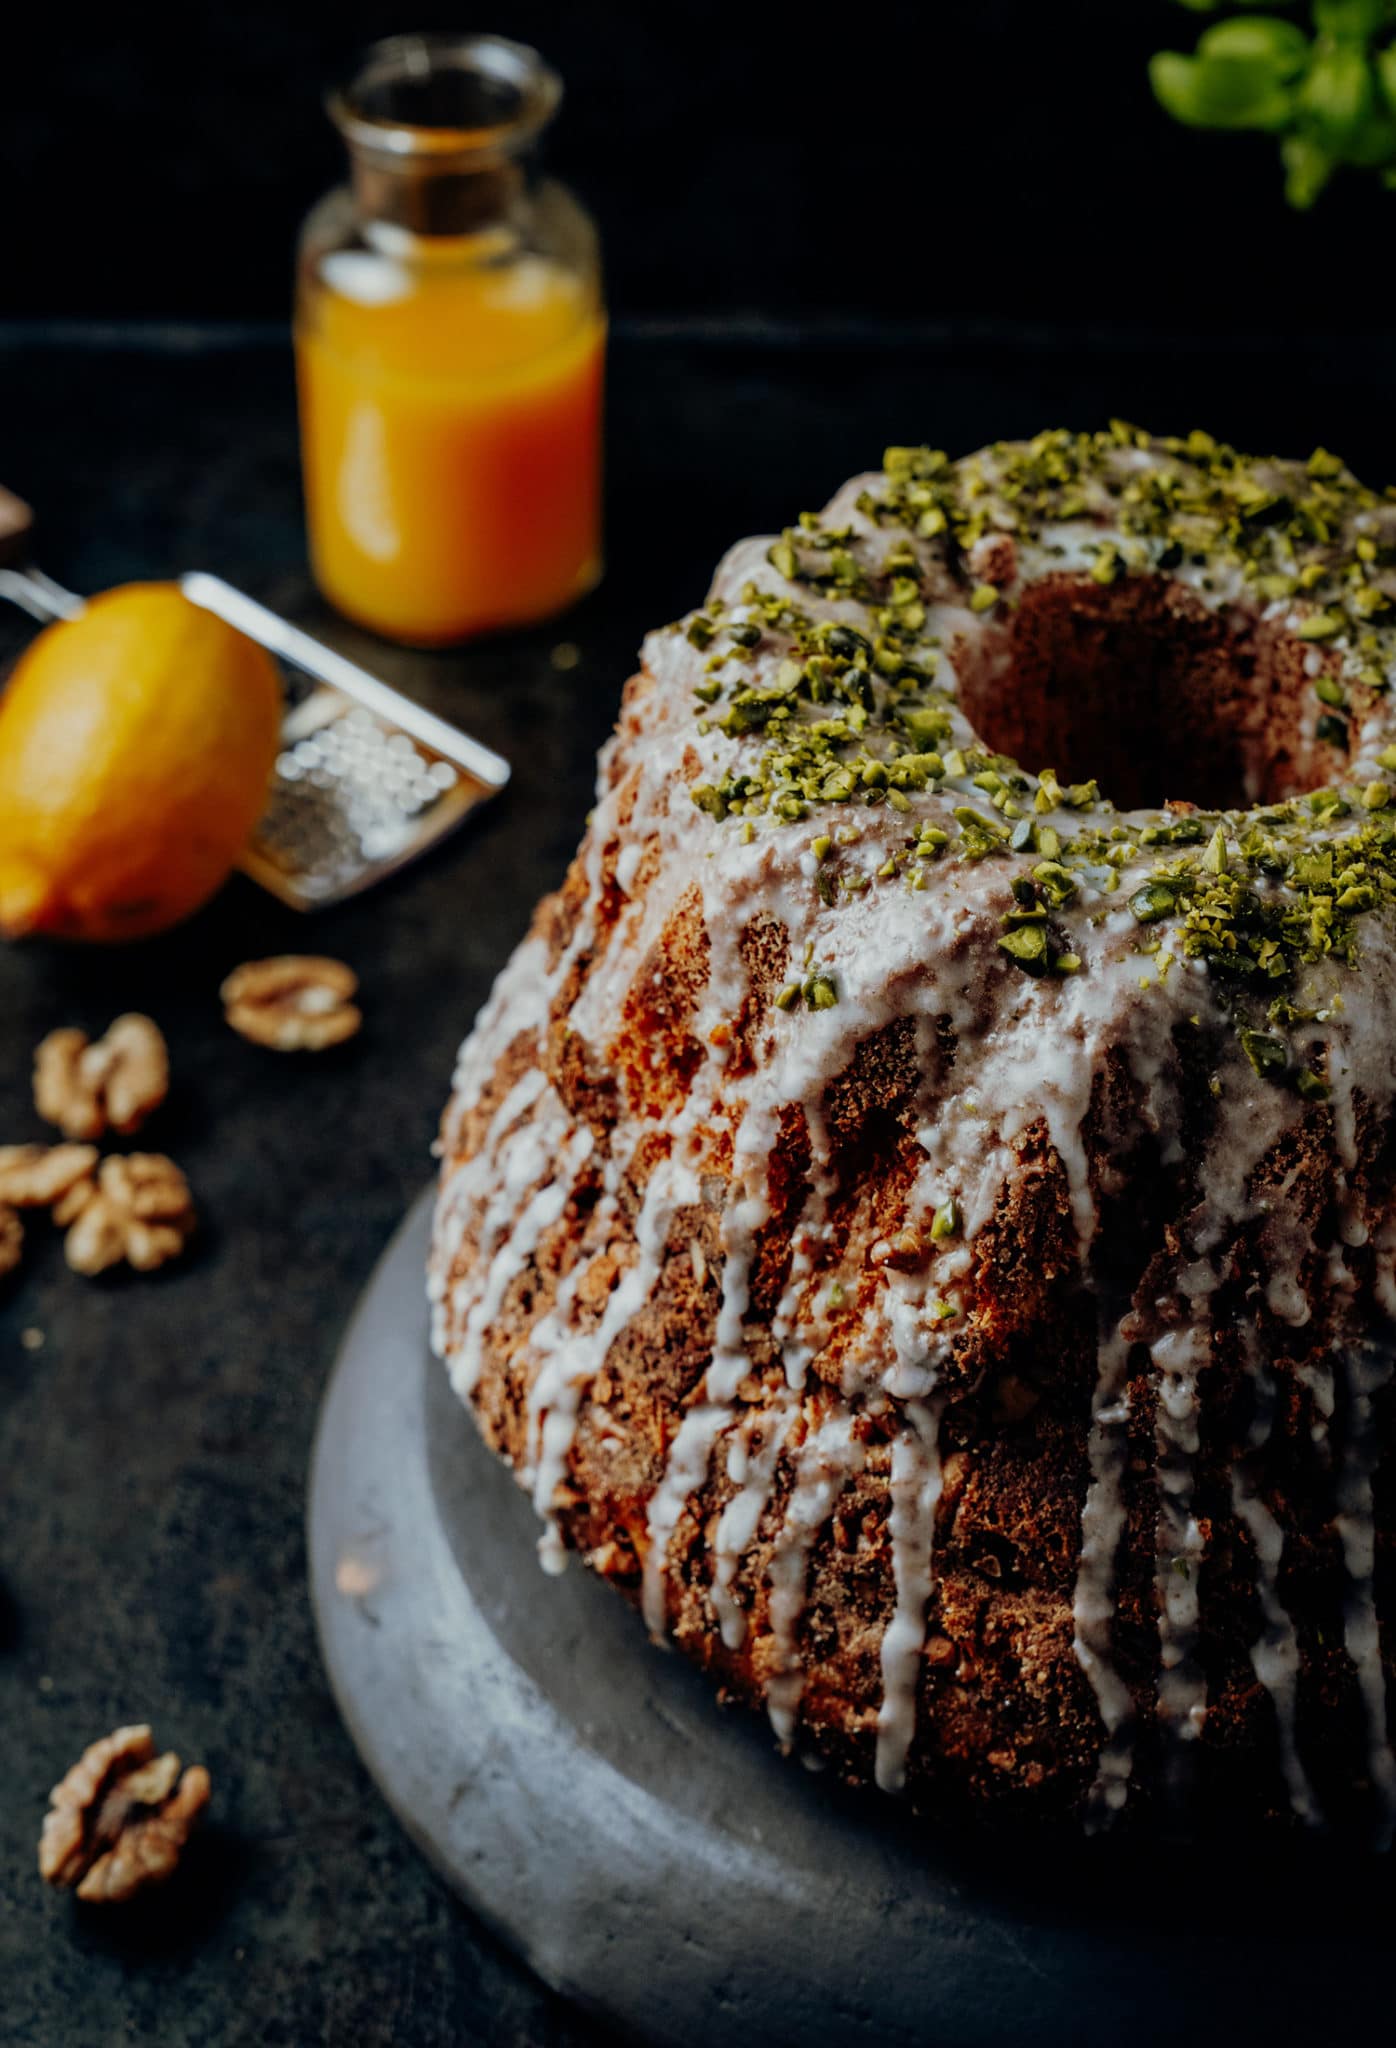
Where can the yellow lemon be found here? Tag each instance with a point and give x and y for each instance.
(136, 743)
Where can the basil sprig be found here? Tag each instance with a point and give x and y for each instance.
(1327, 91)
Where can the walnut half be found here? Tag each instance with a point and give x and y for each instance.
(294, 1002)
(120, 1818)
(114, 1085)
(37, 1176)
(138, 1208)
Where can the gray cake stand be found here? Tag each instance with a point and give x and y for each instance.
(654, 1858)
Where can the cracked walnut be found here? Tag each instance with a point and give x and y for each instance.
(120, 1818)
(87, 1089)
(137, 1208)
(293, 1002)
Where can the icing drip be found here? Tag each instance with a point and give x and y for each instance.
(1367, 1370)
(900, 941)
(513, 1236)
(1275, 1652)
(571, 1363)
(916, 1484)
(463, 1191)
(1180, 1356)
(1093, 1605)
(523, 1163)
(685, 1471)
(751, 1466)
(828, 1459)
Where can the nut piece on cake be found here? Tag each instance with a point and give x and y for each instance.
(115, 1084)
(120, 1819)
(137, 1208)
(294, 1002)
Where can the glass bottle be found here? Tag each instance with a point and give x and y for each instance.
(450, 336)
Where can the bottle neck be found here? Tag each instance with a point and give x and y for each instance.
(441, 132)
(399, 196)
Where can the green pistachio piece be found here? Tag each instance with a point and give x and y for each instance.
(1027, 948)
(1214, 859)
(1321, 626)
(1268, 1055)
(1058, 883)
(1153, 901)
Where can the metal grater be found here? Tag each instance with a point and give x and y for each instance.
(366, 779)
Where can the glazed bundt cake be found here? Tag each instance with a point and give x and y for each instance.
(924, 1229)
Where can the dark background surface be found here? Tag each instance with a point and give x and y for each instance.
(913, 159)
(154, 1448)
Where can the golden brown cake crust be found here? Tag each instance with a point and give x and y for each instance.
(977, 1356)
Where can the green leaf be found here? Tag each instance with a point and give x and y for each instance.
(1352, 20)
(1307, 170)
(1338, 97)
(1386, 74)
(1219, 93)
(1262, 39)
(1375, 142)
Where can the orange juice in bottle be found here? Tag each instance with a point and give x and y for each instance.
(450, 338)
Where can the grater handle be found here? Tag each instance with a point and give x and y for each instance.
(20, 581)
(39, 595)
(290, 644)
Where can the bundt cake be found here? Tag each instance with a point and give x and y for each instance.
(924, 1229)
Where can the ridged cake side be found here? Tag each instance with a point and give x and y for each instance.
(882, 1223)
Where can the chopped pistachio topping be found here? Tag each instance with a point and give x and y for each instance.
(864, 715)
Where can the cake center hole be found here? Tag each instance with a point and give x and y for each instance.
(1140, 685)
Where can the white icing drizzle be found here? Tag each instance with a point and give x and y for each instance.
(1367, 1370)
(571, 1363)
(512, 1235)
(1179, 1356)
(1275, 1652)
(751, 1466)
(828, 1459)
(915, 1491)
(1028, 1053)
(1093, 1604)
(685, 1471)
